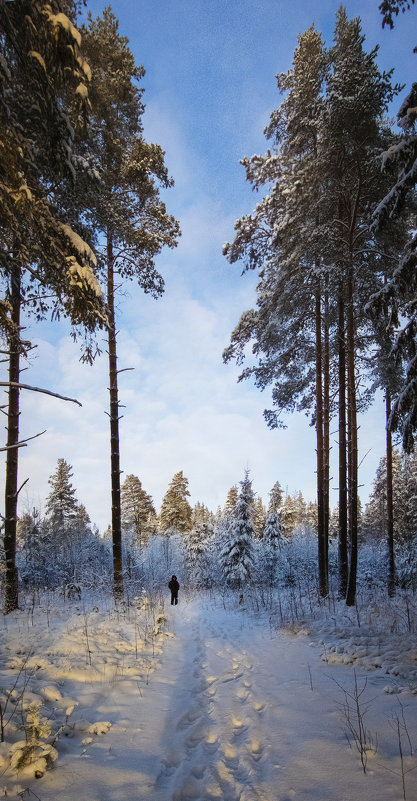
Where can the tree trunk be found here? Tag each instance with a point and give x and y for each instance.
(12, 457)
(390, 504)
(352, 445)
(114, 431)
(326, 424)
(322, 560)
(343, 553)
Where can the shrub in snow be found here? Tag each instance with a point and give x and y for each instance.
(32, 758)
(32, 755)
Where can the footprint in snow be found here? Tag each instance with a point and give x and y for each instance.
(231, 756)
(259, 707)
(238, 727)
(211, 743)
(243, 694)
(188, 718)
(189, 790)
(256, 749)
(232, 677)
(196, 736)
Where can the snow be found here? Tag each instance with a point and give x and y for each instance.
(202, 701)
(38, 57)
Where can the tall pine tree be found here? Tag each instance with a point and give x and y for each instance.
(128, 213)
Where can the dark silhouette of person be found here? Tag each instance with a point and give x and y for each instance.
(174, 587)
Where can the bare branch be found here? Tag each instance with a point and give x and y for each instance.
(21, 487)
(23, 442)
(38, 389)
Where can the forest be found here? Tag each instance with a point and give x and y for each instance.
(333, 243)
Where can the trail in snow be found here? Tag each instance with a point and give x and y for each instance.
(233, 711)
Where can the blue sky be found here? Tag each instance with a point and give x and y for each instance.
(209, 89)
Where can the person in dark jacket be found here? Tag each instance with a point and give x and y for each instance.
(174, 587)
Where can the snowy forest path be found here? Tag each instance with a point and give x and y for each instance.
(233, 711)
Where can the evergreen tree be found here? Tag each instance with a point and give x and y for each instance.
(289, 515)
(231, 500)
(176, 511)
(353, 137)
(276, 497)
(236, 551)
(43, 102)
(375, 516)
(128, 212)
(408, 520)
(282, 239)
(61, 503)
(397, 298)
(137, 509)
(258, 518)
(200, 514)
(273, 541)
(198, 558)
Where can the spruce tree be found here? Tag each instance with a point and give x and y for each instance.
(236, 551)
(176, 511)
(128, 213)
(275, 498)
(61, 503)
(273, 541)
(231, 500)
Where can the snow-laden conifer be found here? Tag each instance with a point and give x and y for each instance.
(137, 509)
(175, 509)
(236, 550)
(61, 503)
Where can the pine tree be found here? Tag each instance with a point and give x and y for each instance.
(396, 301)
(43, 102)
(236, 552)
(136, 508)
(282, 239)
(176, 511)
(353, 137)
(128, 212)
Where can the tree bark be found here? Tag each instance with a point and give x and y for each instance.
(343, 551)
(12, 458)
(114, 431)
(390, 503)
(326, 424)
(322, 560)
(352, 445)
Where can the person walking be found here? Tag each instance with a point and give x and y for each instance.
(174, 587)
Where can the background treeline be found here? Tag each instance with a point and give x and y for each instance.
(245, 544)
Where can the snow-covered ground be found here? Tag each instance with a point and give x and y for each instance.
(212, 704)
